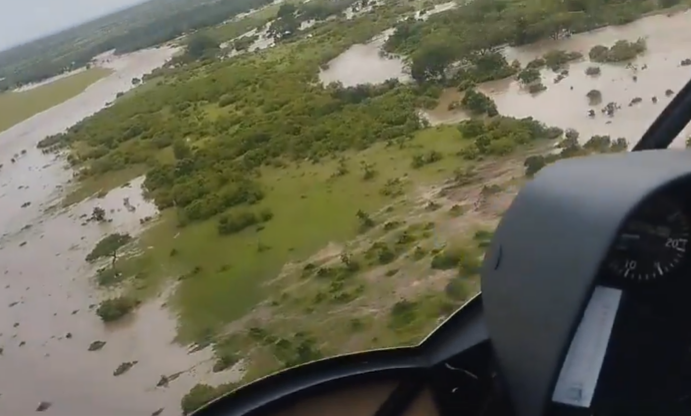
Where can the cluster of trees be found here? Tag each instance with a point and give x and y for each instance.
(622, 50)
(235, 222)
(501, 135)
(478, 103)
(205, 138)
(143, 26)
(290, 16)
(570, 147)
(201, 46)
(480, 26)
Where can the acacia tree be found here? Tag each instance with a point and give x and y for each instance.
(108, 247)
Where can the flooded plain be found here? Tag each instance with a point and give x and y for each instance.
(565, 104)
(48, 321)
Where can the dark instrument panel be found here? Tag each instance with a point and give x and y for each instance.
(647, 364)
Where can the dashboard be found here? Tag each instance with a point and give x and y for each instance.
(646, 364)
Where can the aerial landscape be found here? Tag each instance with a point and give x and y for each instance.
(195, 195)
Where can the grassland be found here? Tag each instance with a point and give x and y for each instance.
(312, 206)
(16, 107)
(254, 295)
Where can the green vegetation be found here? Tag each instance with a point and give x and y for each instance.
(16, 107)
(571, 148)
(283, 199)
(478, 103)
(471, 33)
(113, 309)
(108, 247)
(619, 52)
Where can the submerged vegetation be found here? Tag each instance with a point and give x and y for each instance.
(621, 51)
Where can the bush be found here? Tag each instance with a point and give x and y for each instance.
(593, 70)
(478, 103)
(555, 59)
(621, 51)
(594, 96)
(113, 309)
(238, 221)
(448, 259)
(528, 76)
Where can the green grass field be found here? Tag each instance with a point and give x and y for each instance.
(311, 208)
(16, 107)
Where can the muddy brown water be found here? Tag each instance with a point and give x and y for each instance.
(563, 104)
(46, 287)
(667, 38)
(364, 64)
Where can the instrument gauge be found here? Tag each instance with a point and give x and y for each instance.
(652, 243)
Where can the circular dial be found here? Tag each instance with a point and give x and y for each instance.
(652, 243)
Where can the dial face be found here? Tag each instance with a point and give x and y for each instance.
(653, 242)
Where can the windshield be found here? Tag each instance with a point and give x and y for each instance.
(196, 194)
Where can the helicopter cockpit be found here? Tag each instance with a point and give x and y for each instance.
(583, 311)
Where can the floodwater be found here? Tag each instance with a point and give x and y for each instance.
(365, 64)
(565, 104)
(47, 297)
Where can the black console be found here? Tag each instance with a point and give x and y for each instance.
(631, 354)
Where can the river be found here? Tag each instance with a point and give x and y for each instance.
(47, 288)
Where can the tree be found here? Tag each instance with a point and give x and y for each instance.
(98, 214)
(286, 9)
(430, 61)
(534, 164)
(108, 247)
(365, 221)
(478, 103)
(528, 76)
(181, 150)
(201, 46)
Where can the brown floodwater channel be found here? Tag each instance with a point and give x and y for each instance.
(47, 293)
